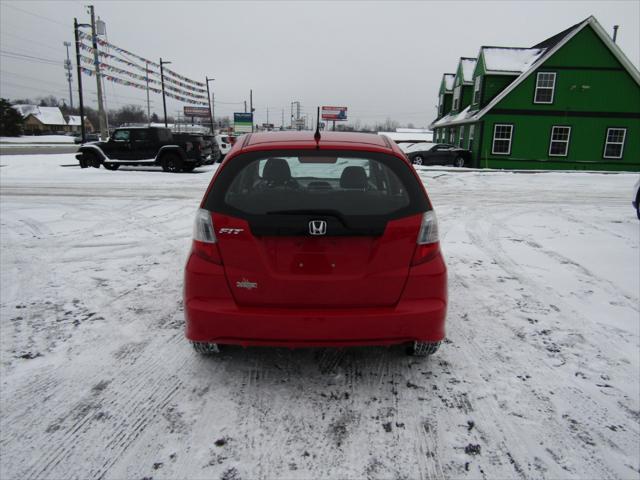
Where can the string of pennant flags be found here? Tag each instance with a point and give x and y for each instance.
(111, 68)
(186, 82)
(167, 80)
(128, 83)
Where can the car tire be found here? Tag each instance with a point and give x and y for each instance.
(417, 160)
(171, 162)
(423, 349)
(188, 168)
(458, 162)
(111, 166)
(204, 348)
(91, 159)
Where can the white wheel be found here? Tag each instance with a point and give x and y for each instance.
(417, 160)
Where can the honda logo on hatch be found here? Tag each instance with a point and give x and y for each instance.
(317, 227)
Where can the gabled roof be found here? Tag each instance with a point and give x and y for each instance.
(448, 79)
(507, 60)
(46, 115)
(558, 37)
(552, 45)
(468, 66)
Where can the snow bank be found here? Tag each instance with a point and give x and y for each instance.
(38, 139)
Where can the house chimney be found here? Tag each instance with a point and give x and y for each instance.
(615, 33)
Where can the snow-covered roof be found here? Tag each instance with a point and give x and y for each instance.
(409, 137)
(73, 120)
(449, 78)
(25, 110)
(468, 66)
(516, 60)
(465, 114)
(46, 115)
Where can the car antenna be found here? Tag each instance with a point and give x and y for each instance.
(316, 136)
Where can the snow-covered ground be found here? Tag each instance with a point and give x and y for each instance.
(539, 377)
(38, 139)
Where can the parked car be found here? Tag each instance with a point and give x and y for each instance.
(636, 196)
(438, 154)
(225, 142)
(178, 152)
(89, 137)
(215, 155)
(303, 243)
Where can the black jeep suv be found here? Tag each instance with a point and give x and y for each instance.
(146, 146)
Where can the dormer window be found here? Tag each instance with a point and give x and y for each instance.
(545, 87)
(456, 98)
(476, 90)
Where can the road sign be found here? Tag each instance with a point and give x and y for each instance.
(334, 113)
(196, 112)
(243, 122)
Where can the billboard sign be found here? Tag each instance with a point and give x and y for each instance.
(243, 122)
(196, 112)
(334, 113)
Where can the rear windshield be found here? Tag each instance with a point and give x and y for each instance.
(346, 183)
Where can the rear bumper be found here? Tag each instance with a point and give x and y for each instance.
(212, 315)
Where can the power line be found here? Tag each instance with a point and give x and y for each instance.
(4, 32)
(23, 56)
(36, 15)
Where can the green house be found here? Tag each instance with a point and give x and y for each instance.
(445, 94)
(569, 102)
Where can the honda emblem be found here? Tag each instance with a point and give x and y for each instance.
(318, 227)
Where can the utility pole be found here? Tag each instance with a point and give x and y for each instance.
(251, 109)
(245, 106)
(68, 67)
(75, 32)
(267, 116)
(164, 100)
(282, 121)
(210, 102)
(146, 71)
(96, 63)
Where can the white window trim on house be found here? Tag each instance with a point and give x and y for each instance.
(472, 132)
(456, 98)
(461, 136)
(607, 142)
(452, 136)
(566, 142)
(476, 91)
(510, 139)
(538, 87)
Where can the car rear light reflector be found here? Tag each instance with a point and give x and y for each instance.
(428, 244)
(428, 229)
(204, 237)
(203, 227)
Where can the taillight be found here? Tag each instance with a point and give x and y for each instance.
(204, 237)
(428, 243)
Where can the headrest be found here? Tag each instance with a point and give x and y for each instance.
(276, 170)
(354, 177)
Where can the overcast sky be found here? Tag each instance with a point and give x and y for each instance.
(380, 59)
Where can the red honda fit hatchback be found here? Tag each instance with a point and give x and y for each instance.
(303, 241)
